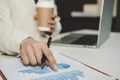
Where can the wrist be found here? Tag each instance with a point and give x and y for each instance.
(24, 41)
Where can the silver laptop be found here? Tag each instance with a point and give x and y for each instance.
(90, 40)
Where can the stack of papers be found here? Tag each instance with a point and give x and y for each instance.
(68, 69)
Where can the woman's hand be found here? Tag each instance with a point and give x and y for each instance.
(52, 23)
(31, 53)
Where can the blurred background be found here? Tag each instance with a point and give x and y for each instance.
(84, 14)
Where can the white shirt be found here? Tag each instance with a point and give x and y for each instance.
(17, 23)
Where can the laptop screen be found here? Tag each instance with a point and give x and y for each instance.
(104, 29)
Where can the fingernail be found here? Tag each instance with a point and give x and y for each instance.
(55, 67)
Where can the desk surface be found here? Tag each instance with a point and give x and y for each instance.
(105, 58)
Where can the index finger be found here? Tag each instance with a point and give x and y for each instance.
(54, 16)
(50, 57)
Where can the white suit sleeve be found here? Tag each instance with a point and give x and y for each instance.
(10, 38)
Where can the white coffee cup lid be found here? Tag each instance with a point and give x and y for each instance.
(45, 4)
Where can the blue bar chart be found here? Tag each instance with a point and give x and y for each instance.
(70, 75)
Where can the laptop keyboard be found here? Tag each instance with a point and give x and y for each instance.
(86, 40)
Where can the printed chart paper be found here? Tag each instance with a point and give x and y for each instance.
(68, 69)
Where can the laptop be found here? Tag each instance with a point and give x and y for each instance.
(91, 40)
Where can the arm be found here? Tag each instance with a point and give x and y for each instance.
(13, 41)
(9, 40)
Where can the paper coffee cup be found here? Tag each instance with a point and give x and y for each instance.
(44, 14)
